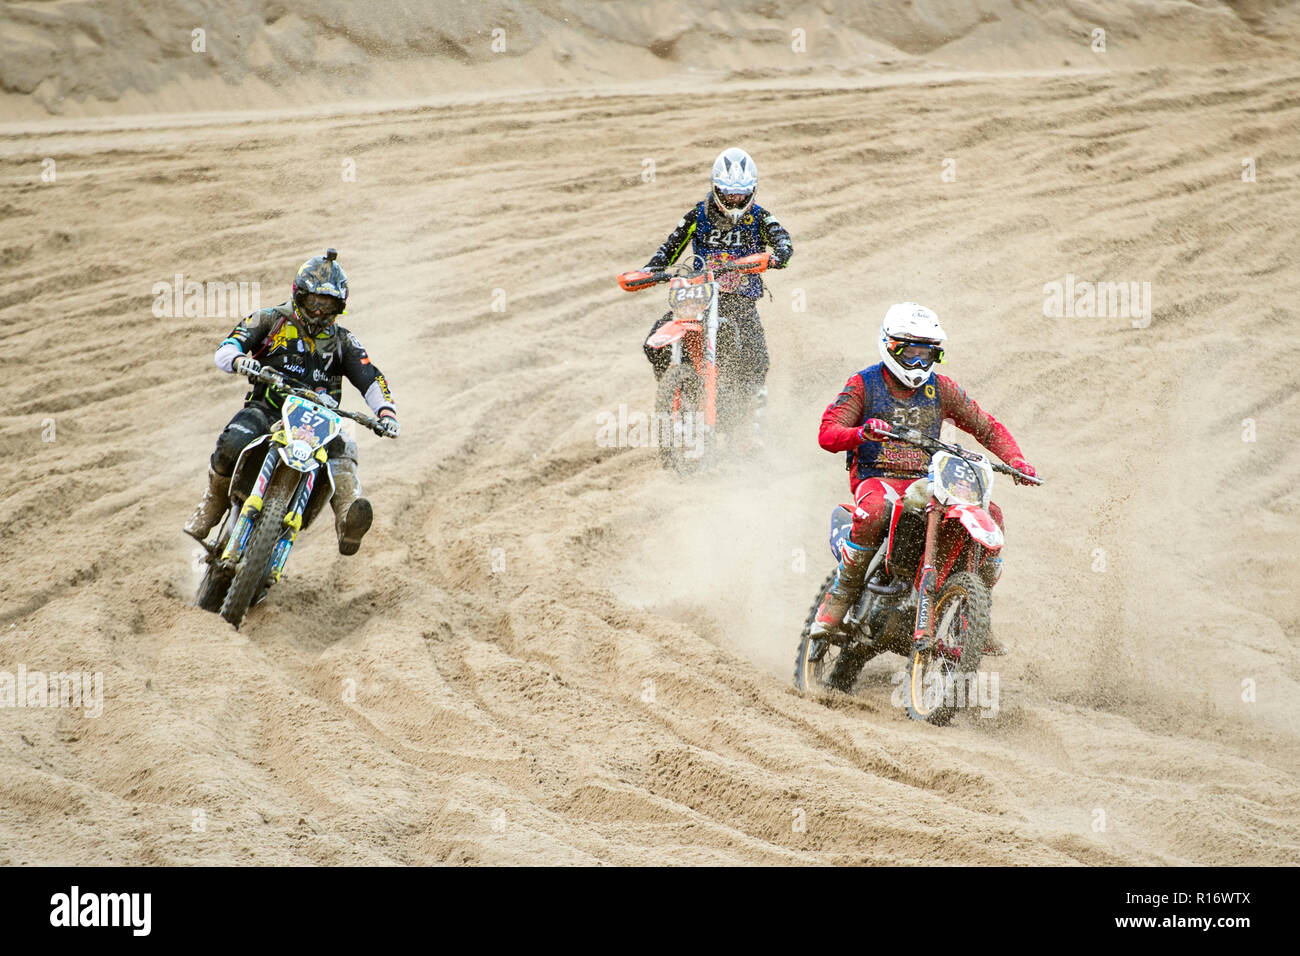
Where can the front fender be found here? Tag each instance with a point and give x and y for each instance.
(978, 525)
(667, 334)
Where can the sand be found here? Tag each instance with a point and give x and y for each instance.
(549, 650)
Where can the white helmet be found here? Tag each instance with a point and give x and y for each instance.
(911, 341)
(735, 177)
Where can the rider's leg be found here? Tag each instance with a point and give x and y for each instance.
(660, 359)
(352, 513)
(249, 422)
(874, 498)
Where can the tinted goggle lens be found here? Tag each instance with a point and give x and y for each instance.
(914, 354)
(732, 200)
(318, 306)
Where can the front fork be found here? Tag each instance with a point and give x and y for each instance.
(711, 360)
(253, 506)
(924, 632)
(293, 521)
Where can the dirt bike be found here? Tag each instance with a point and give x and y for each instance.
(275, 492)
(927, 588)
(688, 400)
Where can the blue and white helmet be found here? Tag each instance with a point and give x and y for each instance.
(735, 177)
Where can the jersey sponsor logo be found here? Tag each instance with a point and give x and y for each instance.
(929, 391)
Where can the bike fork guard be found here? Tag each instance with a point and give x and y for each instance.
(252, 505)
(925, 586)
(292, 521)
(711, 363)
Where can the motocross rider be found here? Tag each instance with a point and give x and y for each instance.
(727, 222)
(901, 391)
(301, 340)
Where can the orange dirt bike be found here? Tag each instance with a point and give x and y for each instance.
(927, 588)
(690, 401)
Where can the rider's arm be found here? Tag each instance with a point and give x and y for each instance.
(367, 379)
(244, 340)
(972, 419)
(841, 428)
(673, 246)
(775, 235)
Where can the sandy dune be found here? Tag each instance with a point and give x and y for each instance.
(561, 654)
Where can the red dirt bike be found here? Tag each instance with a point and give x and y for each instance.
(927, 588)
(690, 401)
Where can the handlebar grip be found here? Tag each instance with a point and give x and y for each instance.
(638, 280)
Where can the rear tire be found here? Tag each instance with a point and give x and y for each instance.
(251, 575)
(821, 666)
(681, 394)
(938, 684)
(215, 581)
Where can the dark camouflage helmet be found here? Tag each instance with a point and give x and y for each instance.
(320, 277)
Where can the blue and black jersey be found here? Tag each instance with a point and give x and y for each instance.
(710, 233)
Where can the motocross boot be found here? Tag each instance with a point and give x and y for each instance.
(215, 501)
(844, 591)
(352, 513)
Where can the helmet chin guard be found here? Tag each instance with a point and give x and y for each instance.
(911, 342)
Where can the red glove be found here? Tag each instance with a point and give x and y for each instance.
(1020, 465)
(876, 429)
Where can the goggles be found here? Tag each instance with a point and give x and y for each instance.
(319, 306)
(915, 354)
(732, 200)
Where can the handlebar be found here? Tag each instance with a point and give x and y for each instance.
(913, 437)
(640, 279)
(291, 386)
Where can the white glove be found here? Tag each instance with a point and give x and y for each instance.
(390, 426)
(246, 365)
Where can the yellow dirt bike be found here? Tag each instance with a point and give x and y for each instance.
(275, 491)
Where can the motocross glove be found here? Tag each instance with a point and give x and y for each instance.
(781, 255)
(246, 365)
(1025, 468)
(876, 429)
(389, 425)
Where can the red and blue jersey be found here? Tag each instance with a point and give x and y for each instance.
(874, 393)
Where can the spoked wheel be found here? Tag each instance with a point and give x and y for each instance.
(821, 664)
(250, 578)
(939, 681)
(685, 441)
